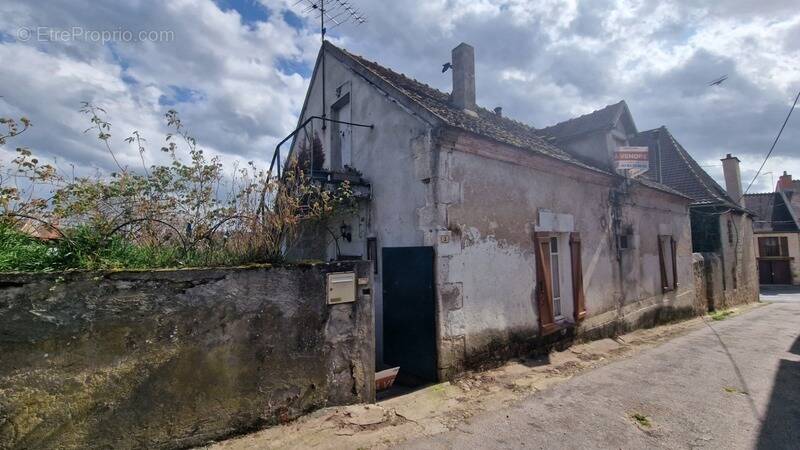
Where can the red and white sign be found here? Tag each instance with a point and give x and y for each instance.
(632, 161)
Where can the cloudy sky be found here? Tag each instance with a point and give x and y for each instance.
(237, 70)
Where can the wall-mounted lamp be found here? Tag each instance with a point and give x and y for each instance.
(346, 231)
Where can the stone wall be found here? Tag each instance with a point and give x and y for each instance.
(714, 294)
(170, 359)
(703, 290)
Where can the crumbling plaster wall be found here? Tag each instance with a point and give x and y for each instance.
(489, 198)
(647, 214)
(174, 358)
(394, 157)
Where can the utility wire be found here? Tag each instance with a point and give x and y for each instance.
(775, 142)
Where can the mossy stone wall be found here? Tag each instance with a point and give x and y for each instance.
(175, 358)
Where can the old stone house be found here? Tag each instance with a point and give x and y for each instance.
(722, 227)
(487, 240)
(777, 232)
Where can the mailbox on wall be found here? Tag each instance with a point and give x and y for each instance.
(341, 287)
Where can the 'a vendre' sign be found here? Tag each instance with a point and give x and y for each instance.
(631, 161)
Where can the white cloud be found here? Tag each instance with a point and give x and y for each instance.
(241, 104)
(542, 61)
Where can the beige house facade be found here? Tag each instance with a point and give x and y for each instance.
(777, 232)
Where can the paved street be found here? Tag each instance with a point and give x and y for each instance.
(732, 384)
(781, 294)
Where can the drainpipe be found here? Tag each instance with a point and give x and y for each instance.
(615, 201)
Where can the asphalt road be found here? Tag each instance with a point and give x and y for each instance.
(734, 384)
(781, 294)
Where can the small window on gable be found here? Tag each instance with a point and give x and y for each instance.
(730, 231)
(667, 256)
(372, 253)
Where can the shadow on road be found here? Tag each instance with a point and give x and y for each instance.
(780, 428)
(742, 381)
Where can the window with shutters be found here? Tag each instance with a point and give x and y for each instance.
(667, 255)
(559, 280)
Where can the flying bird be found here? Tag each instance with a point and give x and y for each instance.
(718, 81)
(446, 66)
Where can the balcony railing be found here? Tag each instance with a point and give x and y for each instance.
(278, 164)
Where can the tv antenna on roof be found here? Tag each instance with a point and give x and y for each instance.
(337, 12)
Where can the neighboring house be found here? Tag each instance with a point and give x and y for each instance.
(594, 137)
(722, 227)
(777, 232)
(488, 241)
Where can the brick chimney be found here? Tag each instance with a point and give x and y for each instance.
(463, 60)
(784, 183)
(733, 178)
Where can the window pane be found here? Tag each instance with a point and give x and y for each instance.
(553, 245)
(555, 275)
(556, 285)
(772, 246)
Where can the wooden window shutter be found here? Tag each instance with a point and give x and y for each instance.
(544, 290)
(674, 249)
(662, 264)
(577, 276)
(784, 250)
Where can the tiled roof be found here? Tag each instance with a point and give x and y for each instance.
(487, 123)
(772, 212)
(602, 119)
(672, 165)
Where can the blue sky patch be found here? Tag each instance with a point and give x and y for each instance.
(290, 66)
(129, 80)
(180, 95)
(122, 62)
(251, 11)
(293, 19)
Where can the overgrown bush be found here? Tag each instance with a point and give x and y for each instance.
(188, 212)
